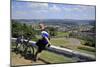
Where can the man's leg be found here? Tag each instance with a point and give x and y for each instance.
(37, 54)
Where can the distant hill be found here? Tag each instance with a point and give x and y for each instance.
(55, 21)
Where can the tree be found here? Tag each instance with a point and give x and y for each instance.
(16, 28)
(52, 31)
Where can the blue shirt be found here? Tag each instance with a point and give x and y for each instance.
(44, 34)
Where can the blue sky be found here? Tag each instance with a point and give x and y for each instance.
(32, 10)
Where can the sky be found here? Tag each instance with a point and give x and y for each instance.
(35, 10)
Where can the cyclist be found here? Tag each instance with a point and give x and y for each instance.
(43, 42)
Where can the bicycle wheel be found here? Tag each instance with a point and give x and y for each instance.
(29, 51)
(18, 48)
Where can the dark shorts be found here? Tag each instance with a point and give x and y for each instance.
(41, 45)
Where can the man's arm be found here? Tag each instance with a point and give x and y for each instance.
(48, 41)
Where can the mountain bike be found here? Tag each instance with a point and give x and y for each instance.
(24, 47)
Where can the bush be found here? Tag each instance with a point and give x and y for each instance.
(90, 43)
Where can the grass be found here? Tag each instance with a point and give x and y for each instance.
(59, 41)
(86, 49)
(63, 42)
(62, 33)
(87, 52)
(55, 58)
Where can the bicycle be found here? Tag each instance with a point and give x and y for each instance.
(25, 49)
(19, 43)
(28, 49)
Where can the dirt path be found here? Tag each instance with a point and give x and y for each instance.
(18, 60)
(74, 41)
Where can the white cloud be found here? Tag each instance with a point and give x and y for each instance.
(44, 7)
(71, 9)
(37, 6)
(55, 8)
